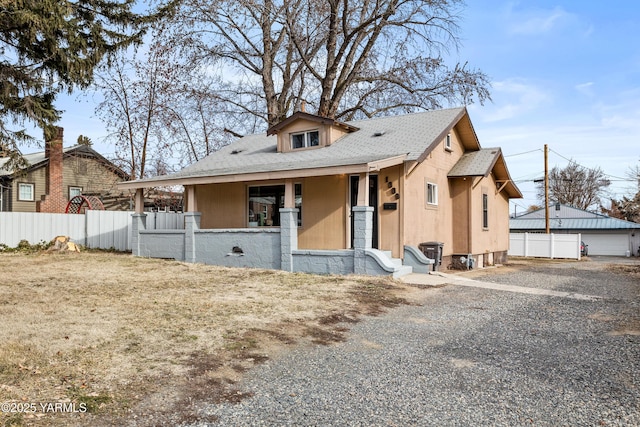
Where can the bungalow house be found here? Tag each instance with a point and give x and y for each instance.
(602, 234)
(56, 175)
(318, 195)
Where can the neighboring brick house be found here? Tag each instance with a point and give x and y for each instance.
(56, 175)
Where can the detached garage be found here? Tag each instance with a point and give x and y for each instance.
(602, 234)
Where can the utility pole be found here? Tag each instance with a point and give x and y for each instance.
(546, 188)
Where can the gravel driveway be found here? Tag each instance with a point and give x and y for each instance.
(469, 356)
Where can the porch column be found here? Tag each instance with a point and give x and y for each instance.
(191, 205)
(289, 194)
(138, 223)
(362, 236)
(363, 189)
(139, 200)
(288, 237)
(191, 224)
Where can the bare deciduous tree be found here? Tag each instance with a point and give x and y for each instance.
(344, 59)
(627, 208)
(576, 186)
(131, 108)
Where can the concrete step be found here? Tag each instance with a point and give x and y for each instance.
(403, 271)
(400, 269)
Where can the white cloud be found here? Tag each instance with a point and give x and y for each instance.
(535, 21)
(585, 88)
(513, 98)
(542, 22)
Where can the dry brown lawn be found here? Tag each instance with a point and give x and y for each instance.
(128, 338)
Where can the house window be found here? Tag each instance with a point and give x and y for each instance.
(265, 203)
(447, 142)
(485, 211)
(74, 191)
(26, 192)
(432, 193)
(305, 139)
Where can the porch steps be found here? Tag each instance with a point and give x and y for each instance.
(401, 270)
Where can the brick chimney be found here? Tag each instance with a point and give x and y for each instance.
(54, 201)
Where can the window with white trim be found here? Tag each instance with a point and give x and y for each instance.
(432, 193)
(26, 192)
(74, 191)
(447, 142)
(485, 211)
(305, 139)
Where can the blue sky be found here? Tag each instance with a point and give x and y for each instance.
(564, 73)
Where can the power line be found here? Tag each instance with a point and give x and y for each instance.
(526, 152)
(617, 178)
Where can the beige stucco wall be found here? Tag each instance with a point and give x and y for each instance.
(324, 204)
(222, 205)
(457, 219)
(424, 222)
(495, 237)
(389, 229)
(324, 213)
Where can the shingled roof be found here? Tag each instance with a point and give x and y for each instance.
(377, 143)
(39, 159)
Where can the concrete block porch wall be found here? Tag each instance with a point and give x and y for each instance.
(269, 248)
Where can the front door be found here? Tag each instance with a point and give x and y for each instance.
(373, 202)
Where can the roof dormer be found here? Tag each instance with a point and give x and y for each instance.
(303, 131)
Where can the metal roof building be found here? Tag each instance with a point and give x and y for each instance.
(604, 235)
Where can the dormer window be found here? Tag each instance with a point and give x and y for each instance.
(305, 139)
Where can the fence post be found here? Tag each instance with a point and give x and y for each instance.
(552, 246)
(579, 245)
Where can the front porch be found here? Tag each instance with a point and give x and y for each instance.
(272, 248)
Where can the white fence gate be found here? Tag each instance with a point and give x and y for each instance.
(95, 229)
(545, 245)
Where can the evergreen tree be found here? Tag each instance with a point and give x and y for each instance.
(50, 46)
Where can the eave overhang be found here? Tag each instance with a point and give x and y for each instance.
(169, 180)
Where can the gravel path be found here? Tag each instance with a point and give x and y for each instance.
(468, 357)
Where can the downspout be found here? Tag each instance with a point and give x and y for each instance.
(401, 210)
(470, 217)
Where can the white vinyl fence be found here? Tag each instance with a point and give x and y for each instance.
(95, 229)
(545, 245)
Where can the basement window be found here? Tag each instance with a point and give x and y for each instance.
(305, 139)
(26, 192)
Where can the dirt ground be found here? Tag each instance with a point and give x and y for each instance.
(97, 338)
(110, 339)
